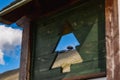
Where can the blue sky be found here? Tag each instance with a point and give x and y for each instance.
(67, 40)
(4, 3)
(10, 47)
(10, 43)
(11, 62)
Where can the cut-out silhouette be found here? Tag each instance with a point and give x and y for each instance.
(66, 51)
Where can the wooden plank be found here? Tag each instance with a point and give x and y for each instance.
(89, 76)
(112, 40)
(88, 25)
(35, 9)
(5, 21)
(76, 72)
(24, 22)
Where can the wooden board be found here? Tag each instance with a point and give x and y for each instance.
(88, 23)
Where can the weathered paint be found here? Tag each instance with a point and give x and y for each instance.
(89, 27)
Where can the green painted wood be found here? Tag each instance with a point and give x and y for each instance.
(89, 27)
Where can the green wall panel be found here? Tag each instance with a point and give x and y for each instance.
(88, 22)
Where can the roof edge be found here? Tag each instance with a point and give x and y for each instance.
(14, 7)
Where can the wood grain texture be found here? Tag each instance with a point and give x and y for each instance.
(24, 22)
(112, 40)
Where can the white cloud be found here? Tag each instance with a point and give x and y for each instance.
(1, 58)
(9, 39)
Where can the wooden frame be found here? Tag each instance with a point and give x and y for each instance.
(112, 45)
(112, 40)
(24, 22)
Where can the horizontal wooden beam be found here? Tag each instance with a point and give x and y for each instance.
(88, 76)
(5, 21)
(34, 10)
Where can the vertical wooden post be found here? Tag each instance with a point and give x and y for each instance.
(24, 22)
(112, 40)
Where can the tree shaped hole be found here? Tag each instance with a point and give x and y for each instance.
(67, 42)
